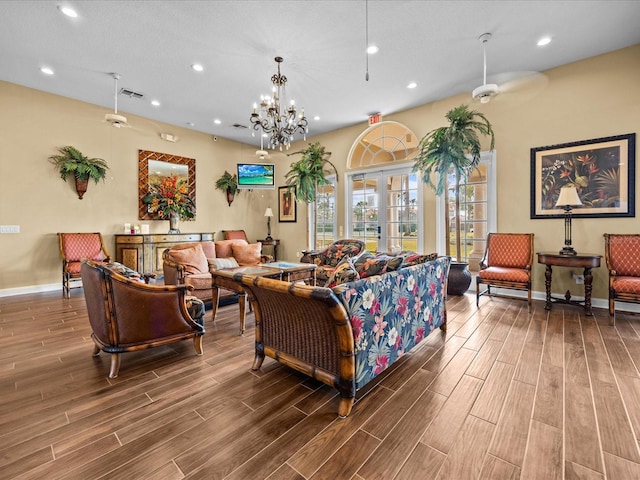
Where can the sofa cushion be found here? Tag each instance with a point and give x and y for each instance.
(217, 263)
(368, 265)
(247, 254)
(417, 258)
(393, 261)
(345, 272)
(123, 270)
(192, 258)
(209, 249)
(223, 247)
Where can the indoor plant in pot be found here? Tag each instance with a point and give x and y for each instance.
(70, 161)
(454, 147)
(229, 184)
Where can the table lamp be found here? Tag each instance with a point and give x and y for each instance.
(568, 199)
(268, 213)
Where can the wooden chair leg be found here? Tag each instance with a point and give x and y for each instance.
(115, 365)
(197, 343)
(344, 406)
(96, 351)
(257, 361)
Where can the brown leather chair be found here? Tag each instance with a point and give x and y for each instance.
(506, 263)
(74, 247)
(622, 254)
(128, 315)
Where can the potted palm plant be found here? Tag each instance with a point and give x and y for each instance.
(308, 173)
(454, 147)
(70, 161)
(229, 184)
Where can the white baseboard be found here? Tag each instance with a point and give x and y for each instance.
(9, 292)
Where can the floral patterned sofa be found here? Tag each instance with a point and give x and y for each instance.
(347, 335)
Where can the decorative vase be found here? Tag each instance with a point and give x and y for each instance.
(81, 186)
(230, 196)
(174, 217)
(459, 278)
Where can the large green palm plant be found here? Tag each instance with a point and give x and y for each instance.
(70, 161)
(456, 146)
(308, 173)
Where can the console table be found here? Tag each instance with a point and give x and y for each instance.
(585, 260)
(273, 242)
(143, 253)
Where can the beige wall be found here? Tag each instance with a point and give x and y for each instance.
(593, 98)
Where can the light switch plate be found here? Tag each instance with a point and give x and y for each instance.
(9, 228)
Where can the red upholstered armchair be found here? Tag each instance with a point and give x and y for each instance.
(75, 247)
(622, 254)
(506, 263)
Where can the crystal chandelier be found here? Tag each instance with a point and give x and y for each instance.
(278, 126)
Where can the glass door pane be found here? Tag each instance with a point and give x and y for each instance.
(364, 210)
(401, 230)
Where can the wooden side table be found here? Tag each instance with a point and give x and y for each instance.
(585, 260)
(274, 242)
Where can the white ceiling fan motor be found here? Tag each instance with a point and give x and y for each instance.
(113, 118)
(485, 91)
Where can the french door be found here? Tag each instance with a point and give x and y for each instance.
(382, 209)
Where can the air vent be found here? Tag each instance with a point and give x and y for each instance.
(237, 125)
(130, 93)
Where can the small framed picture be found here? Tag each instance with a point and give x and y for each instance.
(287, 204)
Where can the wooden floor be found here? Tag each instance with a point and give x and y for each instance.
(505, 394)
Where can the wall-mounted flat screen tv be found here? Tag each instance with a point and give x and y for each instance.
(256, 175)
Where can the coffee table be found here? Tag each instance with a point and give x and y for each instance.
(223, 278)
(295, 272)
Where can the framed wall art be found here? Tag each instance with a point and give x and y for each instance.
(601, 169)
(287, 209)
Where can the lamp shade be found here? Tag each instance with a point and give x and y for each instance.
(568, 197)
(268, 212)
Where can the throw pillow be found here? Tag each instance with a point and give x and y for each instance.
(192, 258)
(123, 270)
(367, 265)
(417, 258)
(345, 272)
(393, 262)
(247, 254)
(217, 263)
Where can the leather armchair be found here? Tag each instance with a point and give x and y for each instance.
(128, 315)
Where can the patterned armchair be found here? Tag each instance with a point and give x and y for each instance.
(74, 247)
(622, 254)
(328, 259)
(506, 263)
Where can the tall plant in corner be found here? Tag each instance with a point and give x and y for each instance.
(70, 161)
(454, 147)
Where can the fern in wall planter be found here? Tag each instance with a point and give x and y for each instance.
(70, 161)
(229, 184)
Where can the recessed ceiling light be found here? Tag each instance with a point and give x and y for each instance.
(155, 103)
(412, 85)
(47, 70)
(68, 11)
(544, 41)
(197, 67)
(317, 117)
(371, 49)
(217, 121)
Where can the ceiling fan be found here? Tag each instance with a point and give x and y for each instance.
(486, 91)
(113, 118)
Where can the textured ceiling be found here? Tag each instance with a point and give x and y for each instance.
(152, 45)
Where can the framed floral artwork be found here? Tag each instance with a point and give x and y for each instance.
(601, 169)
(287, 204)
